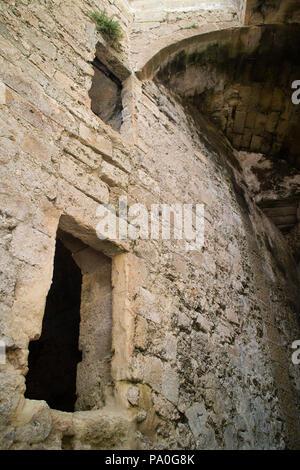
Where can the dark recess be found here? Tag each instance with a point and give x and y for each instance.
(105, 94)
(54, 357)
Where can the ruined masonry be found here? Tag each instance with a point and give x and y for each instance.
(143, 344)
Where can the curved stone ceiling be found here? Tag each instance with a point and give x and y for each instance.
(241, 80)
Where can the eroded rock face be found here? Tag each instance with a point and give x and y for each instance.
(194, 346)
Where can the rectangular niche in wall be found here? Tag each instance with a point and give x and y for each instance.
(105, 94)
(69, 365)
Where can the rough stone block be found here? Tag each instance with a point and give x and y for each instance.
(2, 93)
(40, 150)
(239, 122)
(203, 323)
(147, 306)
(197, 417)
(34, 422)
(141, 333)
(278, 354)
(113, 176)
(88, 183)
(272, 333)
(281, 376)
(97, 142)
(170, 384)
(30, 245)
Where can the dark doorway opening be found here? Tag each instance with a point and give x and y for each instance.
(54, 357)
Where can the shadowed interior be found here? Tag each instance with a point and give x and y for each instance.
(53, 358)
(105, 94)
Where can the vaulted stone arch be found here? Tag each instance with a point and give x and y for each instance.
(158, 24)
(239, 79)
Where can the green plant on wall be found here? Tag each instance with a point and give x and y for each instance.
(193, 26)
(107, 26)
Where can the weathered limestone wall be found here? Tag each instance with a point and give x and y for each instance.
(159, 24)
(200, 340)
(224, 310)
(53, 151)
(93, 372)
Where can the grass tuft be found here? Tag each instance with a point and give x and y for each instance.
(193, 26)
(107, 26)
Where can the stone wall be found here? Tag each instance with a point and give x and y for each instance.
(159, 24)
(220, 308)
(57, 158)
(241, 9)
(272, 11)
(200, 339)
